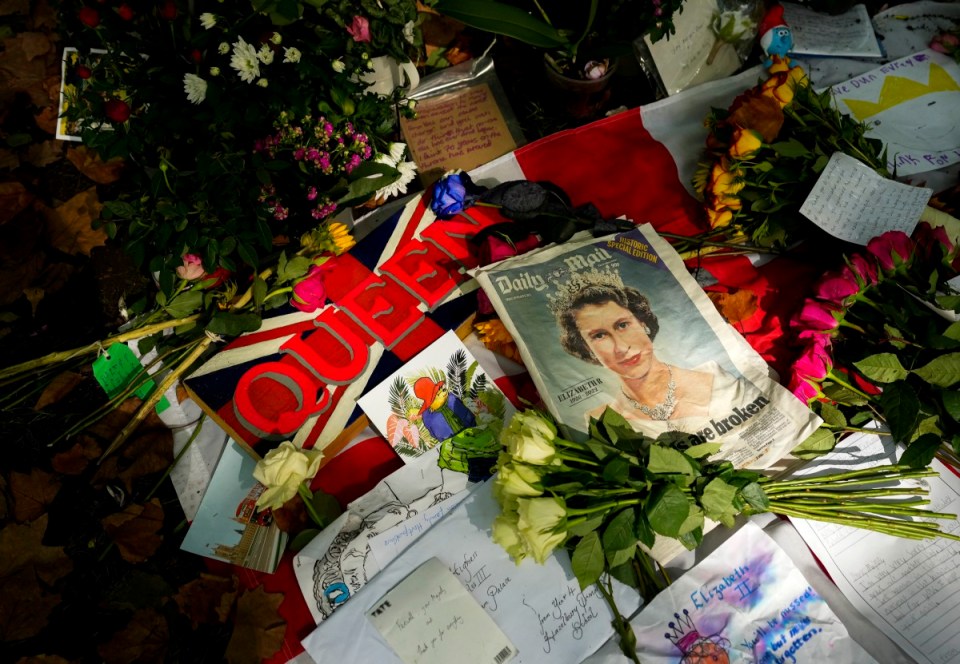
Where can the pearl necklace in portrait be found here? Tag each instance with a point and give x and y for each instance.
(662, 410)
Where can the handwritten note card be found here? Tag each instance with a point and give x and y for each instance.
(849, 34)
(745, 602)
(430, 618)
(462, 129)
(913, 106)
(540, 608)
(851, 202)
(909, 589)
(391, 543)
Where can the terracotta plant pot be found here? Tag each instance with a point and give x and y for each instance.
(581, 97)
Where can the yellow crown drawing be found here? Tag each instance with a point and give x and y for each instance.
(897, 90)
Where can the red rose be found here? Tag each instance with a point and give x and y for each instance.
(117, 110)
(89, 16)
(196, 55)
(125, 12)
(168, 10)
(83, 72)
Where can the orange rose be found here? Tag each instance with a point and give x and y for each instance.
(798, 77)
(778, 66)
(779, 87)
(724, 181)
(746, 142)
(761, 113)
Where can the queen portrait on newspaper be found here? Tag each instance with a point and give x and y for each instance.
(603, 322)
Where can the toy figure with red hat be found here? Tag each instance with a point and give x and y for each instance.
(776, 40)
(442, 412)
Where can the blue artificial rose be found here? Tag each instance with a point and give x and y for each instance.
(453, 194)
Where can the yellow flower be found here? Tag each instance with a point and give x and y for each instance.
(282, 470)
(517, 479)
(542, 524)
(342, 239)
(529, 439)
(507, 534)
(780, 88)
(778, 66)
(798, 77)
(719, 218)
(495, 336)
(746, 143)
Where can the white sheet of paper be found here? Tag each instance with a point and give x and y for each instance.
(851, 202)
(913, 106)
(391, 543)
(849, 34)
(909, 589)
(430, 618)
(745, 602)
(539, 607)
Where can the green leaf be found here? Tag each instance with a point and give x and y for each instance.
(842, 395)
(949, 302)
(755, 496)
(587, 560)
(832, 415)
(232, 324)
(303, 538)
(928, 425)
(259, 291)
(717, 502)
(669, 461)
(920, 452)
(900, 406)
(184, 304)
(951, 403)
(617, 470)
(694, 521)
(587, 526)
(503, 19)
(625, 574)
(820, 441)
(703, 450)
(791, 148)
(619, 533)
(643, 530)
(667, 510)
(944, 371)
(882, 367)
(893, 335)
(248, 254)
(326, 507)
(953, 332)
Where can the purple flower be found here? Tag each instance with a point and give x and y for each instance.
(452, 194)
(311, 193)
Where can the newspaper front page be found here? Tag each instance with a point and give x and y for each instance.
(618, 322)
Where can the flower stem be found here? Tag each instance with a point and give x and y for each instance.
(307, 496)
(604, 507)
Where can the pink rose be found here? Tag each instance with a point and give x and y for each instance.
(864, 269)
(892, 249)
(192, 268)
(814, 362)
(945, 42)
(803, 389)
(359, 29)
(837, 287)
(309, 293)
(932, 241)
(816, 316)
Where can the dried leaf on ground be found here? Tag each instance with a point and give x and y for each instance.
(3, 498)
(258, 629)
(24, 563)
(137, 590)
(90, 164)
(43, 659)
(55, 276)
(69, 225)
(46, 120)
(8, 7)
(108, 427)
(144, 639)
(32, 493)
(43, 15)
(75, 460)
(136, 530)
(34, 296)
(34, 44)
(25, 65)
(16, 276)
(44, 153)
(59, 387)
(150, 451)
(207, 599)
(8, 159)
(736, 306)
(14, 199)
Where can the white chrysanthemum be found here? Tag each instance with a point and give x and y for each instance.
(214, 71)
(208, 20)
(263, 82)
(338, 66)
(223, 48)
(244, 60)
(396, 152)
(276, 38)
(195, 87)
(408, 31)
(291, 54)
(265, 54)
(408, 171)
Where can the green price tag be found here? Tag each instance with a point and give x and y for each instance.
(117, 368)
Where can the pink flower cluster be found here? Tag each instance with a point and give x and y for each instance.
(320, 150)
(819, 319)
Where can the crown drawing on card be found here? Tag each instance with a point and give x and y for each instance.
(683, 633)
(897, 90)
(568, 292)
